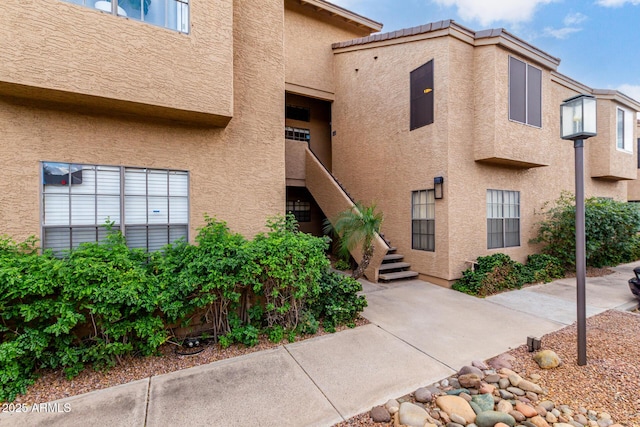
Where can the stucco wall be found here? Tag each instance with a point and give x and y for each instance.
(378, 158)
(308, 38)
(74, 54)
(497, 140)
(236, 173)
(609, 162)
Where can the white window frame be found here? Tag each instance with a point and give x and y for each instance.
(503, 208)
(624, 142)
(423, 218)
(145, 211)
(182, 11)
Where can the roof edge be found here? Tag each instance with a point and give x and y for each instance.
(352, 17)
(616, 95)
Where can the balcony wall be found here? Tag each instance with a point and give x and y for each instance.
(609, 162)
(59, 52)
(498, 140)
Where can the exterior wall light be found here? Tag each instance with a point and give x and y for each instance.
(438, 182)
(577, 123)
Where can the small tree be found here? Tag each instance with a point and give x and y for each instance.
(357, 225)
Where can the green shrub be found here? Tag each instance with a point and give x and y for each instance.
(338, 302)
(289, 266)
(103, 300)
(498, 272)
(342, 265)
(543, 268)
(206, 279)
(492, 274)
(109, 286)
(611, 229)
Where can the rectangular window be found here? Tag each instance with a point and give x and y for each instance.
(302, 114)
(503, 218)
(624, 130)
(423, 220)
(300, 209)
(150, 206)
(297, 134)
(525, 93)
(172, 14)
(421, 81)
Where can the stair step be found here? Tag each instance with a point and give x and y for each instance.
(394, 266)
(392, 249)
(397, 275)
(392, 257)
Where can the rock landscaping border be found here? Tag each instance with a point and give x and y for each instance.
(541, 389)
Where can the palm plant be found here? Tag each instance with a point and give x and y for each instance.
(357, 225)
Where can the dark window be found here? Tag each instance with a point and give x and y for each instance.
(638, 153)
(298, 113)
(503, 219)
(297, 134)
(423, 223)
(422, 96)
(525, 93)
(300, 209)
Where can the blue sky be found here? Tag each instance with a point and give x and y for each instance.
(596, 40)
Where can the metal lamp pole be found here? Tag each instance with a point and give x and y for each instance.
(581, 271)
(577, 123)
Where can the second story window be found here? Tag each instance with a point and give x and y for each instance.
(172, 14)
(624, 130)
(297, 134)
(525, 93)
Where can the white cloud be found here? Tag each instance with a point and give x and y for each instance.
(575, 19)
(560, 33)
(616, 3)
(488, 11)
(630, 90)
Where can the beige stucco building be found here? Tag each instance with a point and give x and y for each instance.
(154, 116)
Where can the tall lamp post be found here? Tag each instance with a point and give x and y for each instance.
(577, 123)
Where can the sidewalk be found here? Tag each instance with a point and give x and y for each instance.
(419, 334)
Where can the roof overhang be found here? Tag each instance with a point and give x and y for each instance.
(347, 15)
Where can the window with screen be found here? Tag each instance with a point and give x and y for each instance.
(149, 206)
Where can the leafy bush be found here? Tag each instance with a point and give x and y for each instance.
(498, 272)
(289, 268)
(611, 229)
(32, 322)
(542, 268)
(109, 286)
(104, 300)
(206, 279)
(338, 302)
(342, 265)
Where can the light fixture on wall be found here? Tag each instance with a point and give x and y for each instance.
(438, 182)
(577, 123)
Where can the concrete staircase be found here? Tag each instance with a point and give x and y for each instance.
(393, 267)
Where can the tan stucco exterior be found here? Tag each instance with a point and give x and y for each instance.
(82, 86)
(473, 145)
(236, 173)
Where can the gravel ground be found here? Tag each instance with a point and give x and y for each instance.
(610, 382)
(53, 385)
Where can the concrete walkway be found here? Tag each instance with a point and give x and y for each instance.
(419, 334)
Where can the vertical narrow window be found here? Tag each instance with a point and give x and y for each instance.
(421, 82)
(625, 121)
(638, 151)
(620, 129)
(525, 93)
(423, 214)
(503, 219)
